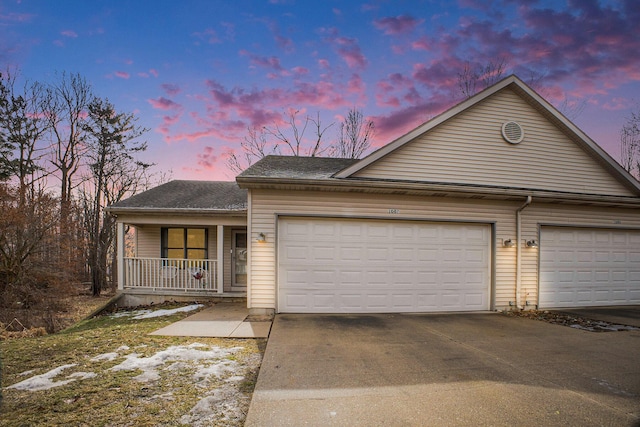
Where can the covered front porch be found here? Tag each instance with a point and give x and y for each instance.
(170, 259)
(168, 247)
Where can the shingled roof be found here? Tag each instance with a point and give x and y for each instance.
(295, 167)
(181, 195)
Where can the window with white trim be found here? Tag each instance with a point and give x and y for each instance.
(184, 243)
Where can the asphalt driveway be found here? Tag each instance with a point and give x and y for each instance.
(444, 369)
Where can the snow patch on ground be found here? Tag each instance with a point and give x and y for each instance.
(220, 406)
(149, 314)
(44, 381)
(105, 356)
(212, 361)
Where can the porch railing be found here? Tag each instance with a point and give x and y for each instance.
(181, 275)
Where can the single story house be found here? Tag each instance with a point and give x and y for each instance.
(498, 203)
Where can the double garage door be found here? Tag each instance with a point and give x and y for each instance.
(581, 267)
(369, 266)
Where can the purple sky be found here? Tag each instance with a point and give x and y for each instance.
(197, 73)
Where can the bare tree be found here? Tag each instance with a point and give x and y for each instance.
(474, 78)
(290, 138)
(293, 138)
(630, 144)
(112, 146)
(355, 135)
(65, 108)
(254, 147)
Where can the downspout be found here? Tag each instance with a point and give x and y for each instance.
(519, 250)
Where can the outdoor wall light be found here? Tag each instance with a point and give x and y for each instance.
(532, 243)
(262, 238)
(508, 243)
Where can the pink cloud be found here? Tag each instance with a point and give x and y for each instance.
(395, 25)
(421, 44)
(347, 48)
(122, 74)
(163, 104)
(207, 158)
(323, 63)
(271, 63)
(69, 33)
(437, 75)
(167, 122)
(153, 72)
(356, 85)
(229, 112)
(285, 43)
(300, 71)
(171, 89)
(617, 104)
(350, 52)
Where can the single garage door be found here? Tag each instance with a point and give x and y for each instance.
(368, 266)
(582, 267)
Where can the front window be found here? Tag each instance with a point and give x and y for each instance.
(184, 243)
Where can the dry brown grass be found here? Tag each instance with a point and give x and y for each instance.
(116, 398)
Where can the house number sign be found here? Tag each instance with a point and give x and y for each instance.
(394, 211)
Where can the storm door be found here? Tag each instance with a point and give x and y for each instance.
(238, 259)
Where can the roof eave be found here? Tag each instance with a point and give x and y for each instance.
(438, 190)
(176, 211)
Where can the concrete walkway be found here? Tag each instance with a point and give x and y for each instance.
(223, 320)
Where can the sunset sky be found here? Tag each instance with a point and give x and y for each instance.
(198, 73)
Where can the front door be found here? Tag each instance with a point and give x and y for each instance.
(238, 260)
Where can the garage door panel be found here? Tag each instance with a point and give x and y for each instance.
(382, 266)
(588, 267)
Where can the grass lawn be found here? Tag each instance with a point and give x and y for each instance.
(108, 371)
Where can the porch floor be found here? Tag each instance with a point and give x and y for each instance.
(222, 320)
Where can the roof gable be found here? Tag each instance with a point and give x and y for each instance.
(465, 146)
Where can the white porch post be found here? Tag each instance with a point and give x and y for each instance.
(120, 253)
(220, 262)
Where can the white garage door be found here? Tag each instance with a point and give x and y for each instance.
(367, 266)
(589, 267)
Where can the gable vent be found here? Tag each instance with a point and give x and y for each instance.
(512, 132)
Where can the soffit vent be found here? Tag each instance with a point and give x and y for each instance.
(512, 132)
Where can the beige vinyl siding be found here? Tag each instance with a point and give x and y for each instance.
(148, 239)
(268, 204)
(469, 149)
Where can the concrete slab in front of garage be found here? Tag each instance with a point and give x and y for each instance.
(444, 369)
